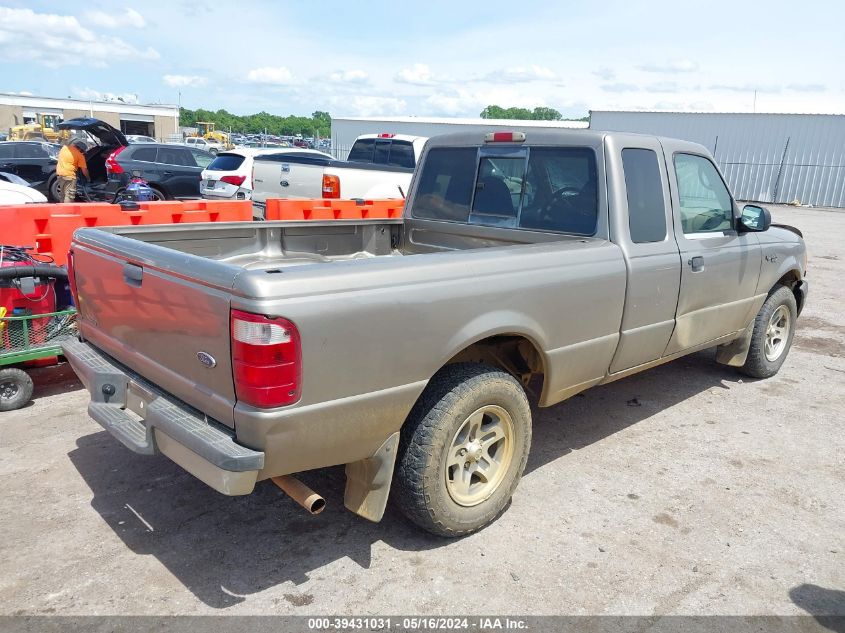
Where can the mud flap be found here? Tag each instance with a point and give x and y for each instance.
(735, 352)
(368, 481)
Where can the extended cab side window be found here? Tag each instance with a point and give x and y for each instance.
(705, 203)
(445, 188)
(646, 206)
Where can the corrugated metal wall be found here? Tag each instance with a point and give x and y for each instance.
(766, 157)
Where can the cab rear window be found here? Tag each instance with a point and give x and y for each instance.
(226, 162)
(541, 188)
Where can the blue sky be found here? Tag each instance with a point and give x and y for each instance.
(430, 58)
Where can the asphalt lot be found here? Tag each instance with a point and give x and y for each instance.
(687, 489)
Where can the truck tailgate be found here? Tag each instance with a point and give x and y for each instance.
(159, 319)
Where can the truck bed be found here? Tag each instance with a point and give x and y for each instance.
(152, 297)
(273, 246)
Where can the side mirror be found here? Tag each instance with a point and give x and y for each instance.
(755, 219)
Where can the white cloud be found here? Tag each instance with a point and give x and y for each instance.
(608, 74)
(278, 75)
(60, 40)
(353, 76)
(620, 86)
(522, 74)
(417, 75)
(113, 20)
(369, 106)
(470, 103)
(184, 81)
(672, 66)
(807, 87)
(96, 95)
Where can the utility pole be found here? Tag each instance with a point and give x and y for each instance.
(754, 107)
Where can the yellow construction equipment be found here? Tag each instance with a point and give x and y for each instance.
(206, 130)
(43, 129)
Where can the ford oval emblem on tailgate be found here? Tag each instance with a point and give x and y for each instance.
(206, 359)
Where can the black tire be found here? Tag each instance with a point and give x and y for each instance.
(758, 364)
(15, 388)
(420, 485)
(53, 189)
(158, 194)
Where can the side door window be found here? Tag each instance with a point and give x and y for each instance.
(145, 154)
(705, 204)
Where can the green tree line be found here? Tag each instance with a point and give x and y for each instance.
(319, 123)
(524, 114)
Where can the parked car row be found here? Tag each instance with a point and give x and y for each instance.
(172, 171)
(379, 166)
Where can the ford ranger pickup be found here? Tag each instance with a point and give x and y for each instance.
(538, 262)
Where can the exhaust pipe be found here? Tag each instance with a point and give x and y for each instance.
(300, 493)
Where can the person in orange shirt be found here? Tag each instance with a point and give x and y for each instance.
(71, 158)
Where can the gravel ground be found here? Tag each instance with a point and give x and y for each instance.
(687, 489)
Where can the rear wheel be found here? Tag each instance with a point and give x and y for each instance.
(158, 194)
(774, 328)
(463, 449)
(15, 388)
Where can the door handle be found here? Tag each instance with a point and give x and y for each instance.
(696, 263)
(167, 173)
(133, 275)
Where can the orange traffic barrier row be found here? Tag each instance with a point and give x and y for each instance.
(48, 228)
(332, 209)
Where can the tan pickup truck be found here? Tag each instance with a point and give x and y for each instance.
(403, 348)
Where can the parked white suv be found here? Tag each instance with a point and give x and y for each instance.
(205, 144)
(229, 176)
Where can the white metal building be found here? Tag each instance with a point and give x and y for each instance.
(346, 129)
(765, 157)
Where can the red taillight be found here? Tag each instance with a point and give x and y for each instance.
(266, 360)
(71, 278)
(386, 135)
(504, 137)
(234, 180)
(112, 166)
(331, 186)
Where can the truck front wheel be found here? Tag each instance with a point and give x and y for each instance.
(774, 328)
(463, 449)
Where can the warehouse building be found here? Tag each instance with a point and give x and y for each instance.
(346, 129)
(778, 158)
(158, 121)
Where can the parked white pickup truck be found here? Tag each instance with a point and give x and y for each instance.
(378, 166)
(208, 145)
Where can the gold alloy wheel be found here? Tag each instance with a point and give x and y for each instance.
(479, 456)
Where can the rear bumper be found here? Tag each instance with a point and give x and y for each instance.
(231, 192)
(148, 421)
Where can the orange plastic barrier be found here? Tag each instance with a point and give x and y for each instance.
(332, 209)
(49, 227)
